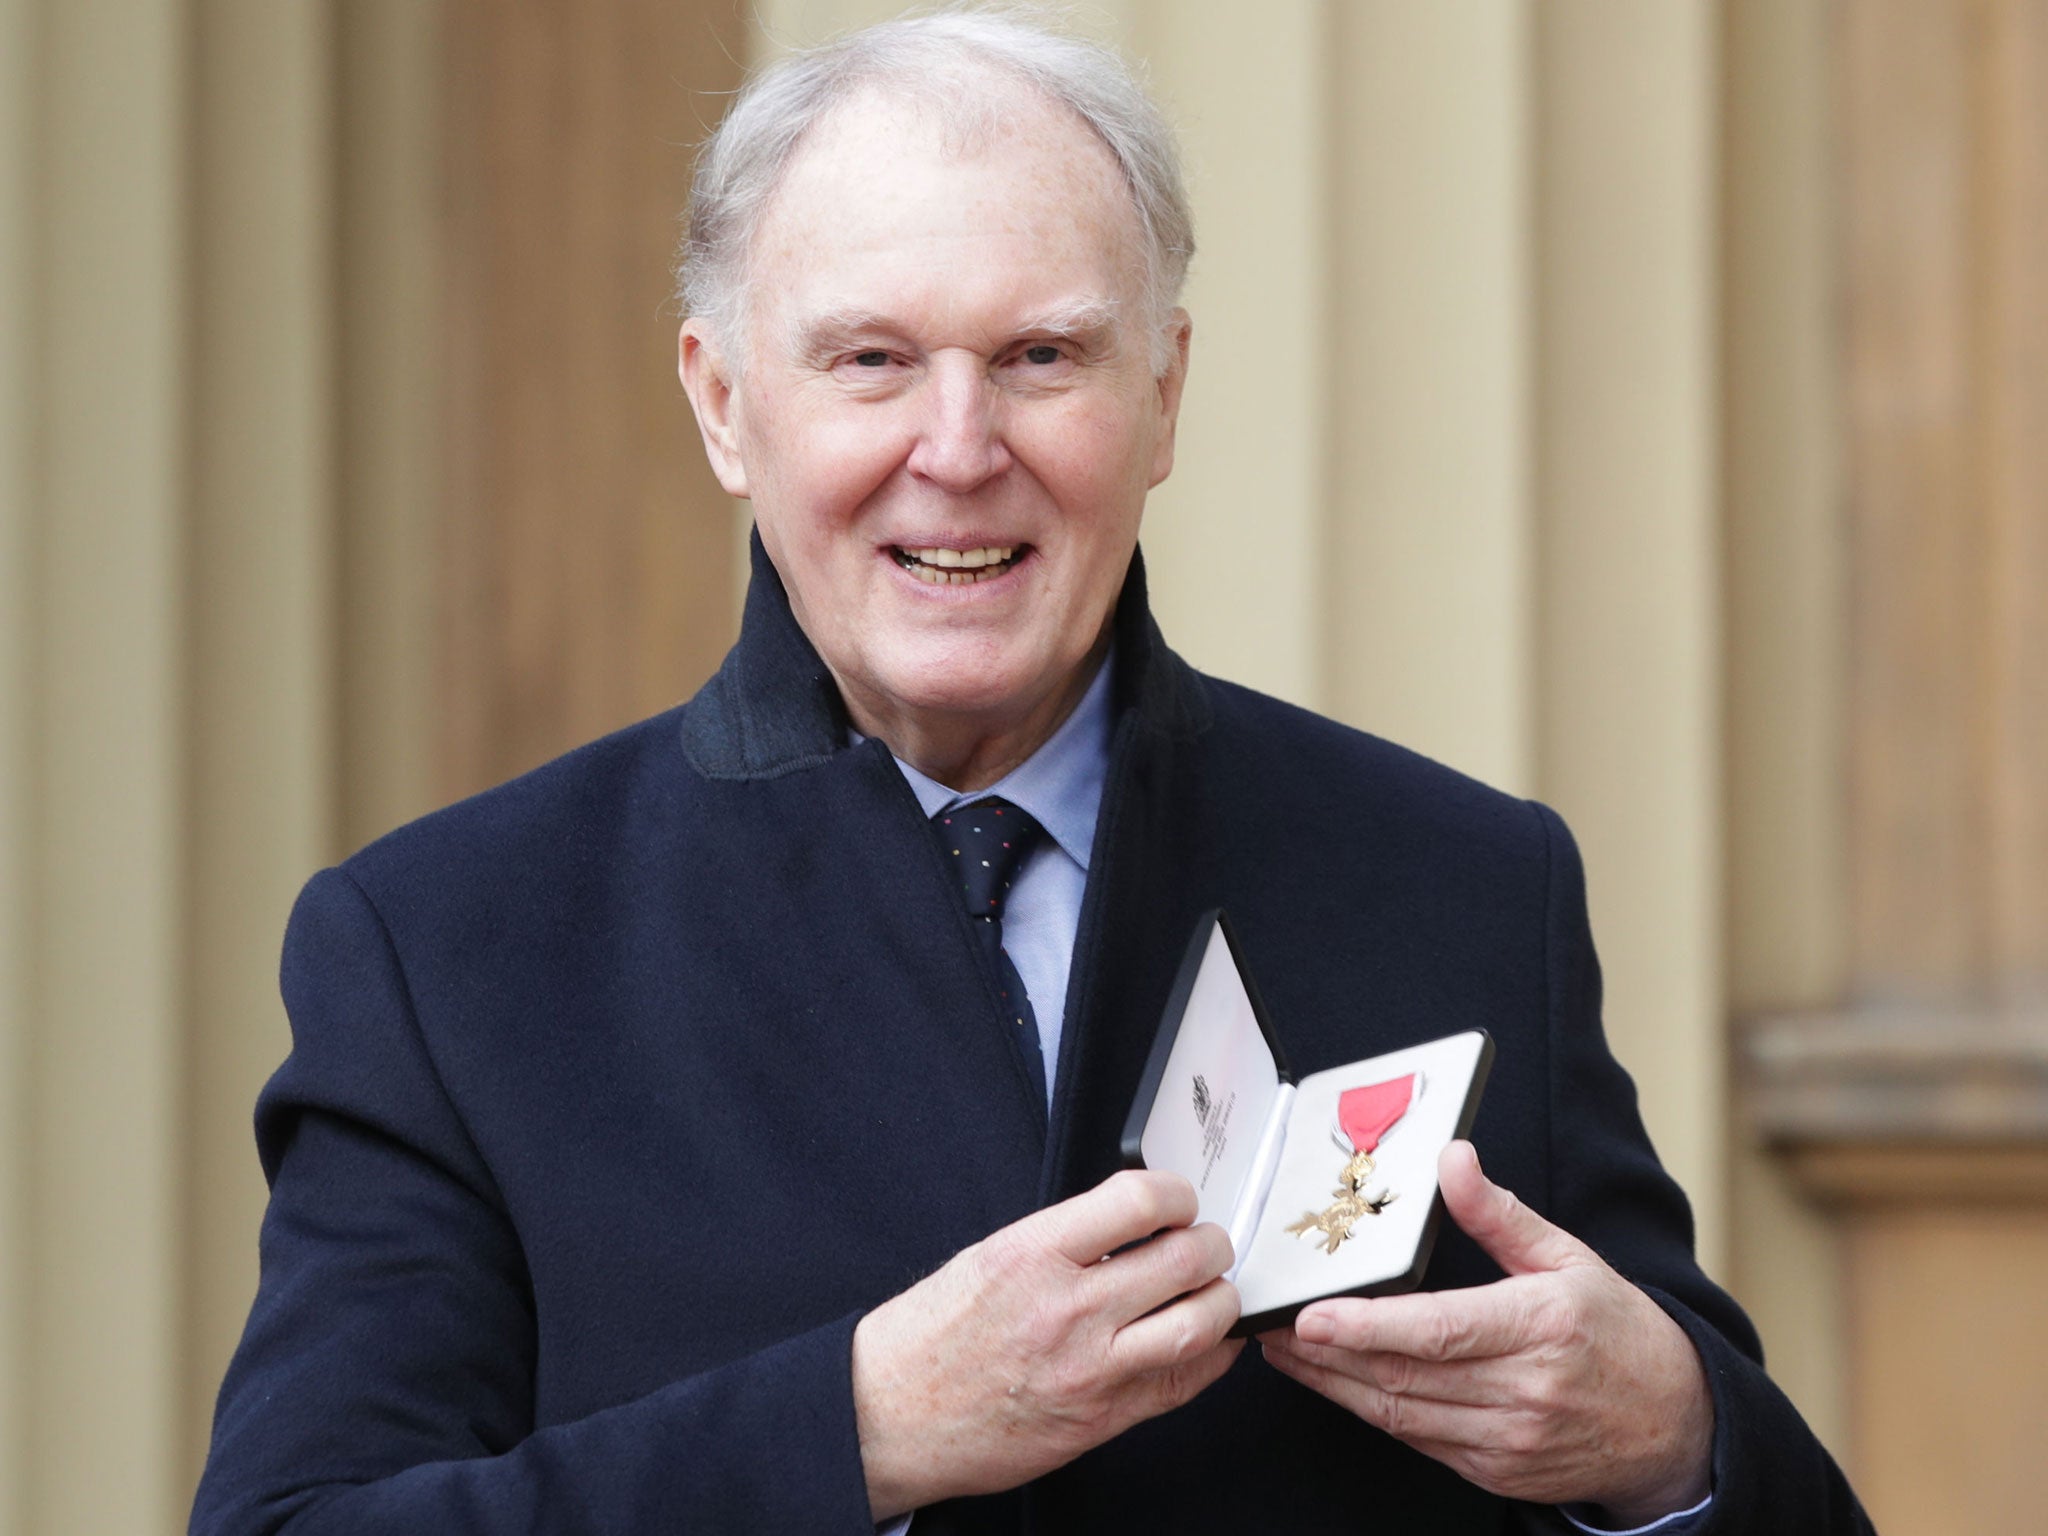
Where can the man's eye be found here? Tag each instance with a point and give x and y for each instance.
(1042, 354)
(871, 359)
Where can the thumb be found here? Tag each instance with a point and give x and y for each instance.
(1514, 1237)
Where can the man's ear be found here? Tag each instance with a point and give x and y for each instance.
(1180, 330)
(708, 380)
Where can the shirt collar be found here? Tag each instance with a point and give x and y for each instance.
(1060, 784)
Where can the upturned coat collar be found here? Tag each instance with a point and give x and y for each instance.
(773, 709)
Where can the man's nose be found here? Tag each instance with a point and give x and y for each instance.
(959, 441)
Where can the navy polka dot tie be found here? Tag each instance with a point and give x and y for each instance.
(985, 844)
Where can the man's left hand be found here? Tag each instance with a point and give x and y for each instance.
(1562, 1383)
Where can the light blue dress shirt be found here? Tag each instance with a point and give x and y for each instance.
(1061, 786)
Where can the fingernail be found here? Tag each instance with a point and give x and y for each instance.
(1315, 1328)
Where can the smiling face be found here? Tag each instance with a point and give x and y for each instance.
(947, 420)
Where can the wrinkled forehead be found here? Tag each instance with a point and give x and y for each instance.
(899, 184)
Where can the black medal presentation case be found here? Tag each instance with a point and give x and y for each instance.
(1271, 1159)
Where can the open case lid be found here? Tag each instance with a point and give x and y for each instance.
(1214, 1077)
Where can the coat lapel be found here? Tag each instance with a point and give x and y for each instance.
(771, 725)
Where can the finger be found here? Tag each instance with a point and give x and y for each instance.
(1146, 1277)
(1498, 1382)
(1514, 1237)
(1411, 1419)
(1121, 1209)
(1183, 1383)
(1165, 1390)
(1172, 1336)
(1476, 1323)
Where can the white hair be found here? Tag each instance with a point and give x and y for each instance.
(944, 58)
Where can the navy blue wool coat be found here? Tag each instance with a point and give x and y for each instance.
(618, 1094)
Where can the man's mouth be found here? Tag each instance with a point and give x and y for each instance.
(958, 567)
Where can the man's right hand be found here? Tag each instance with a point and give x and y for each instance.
(1030, 1347)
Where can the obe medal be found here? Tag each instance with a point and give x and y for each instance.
(1364, 1117)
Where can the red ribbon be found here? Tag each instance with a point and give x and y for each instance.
(1367, 1114)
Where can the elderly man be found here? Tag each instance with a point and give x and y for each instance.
(675, 1139)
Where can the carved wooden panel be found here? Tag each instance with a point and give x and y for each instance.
(2015, 487)
(1917, 1109)
(1944, 144)
(1948, 1333)
(1914, 1107)
(586, 568)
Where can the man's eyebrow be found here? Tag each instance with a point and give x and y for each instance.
(1077, 317)
(809, 331)
(1074, 318)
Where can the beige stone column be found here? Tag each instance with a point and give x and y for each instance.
(259, 695)
(1786, 641)
(1893, 1029)
(1237, 541)
(18, 341)
(1431, 556)
(390, 407)
(99, 1451)
(1522, 513)
(1628, 584)
(166, 706)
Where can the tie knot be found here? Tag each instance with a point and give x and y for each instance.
(985, 842)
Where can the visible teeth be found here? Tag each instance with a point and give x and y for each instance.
(956, 567)
(971, 559)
